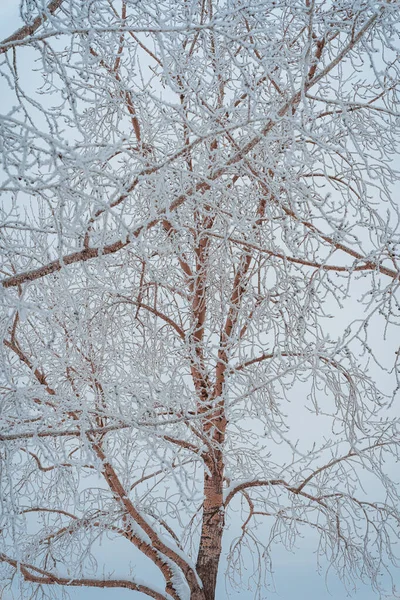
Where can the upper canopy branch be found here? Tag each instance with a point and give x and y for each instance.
(89, 253)
(28, 30)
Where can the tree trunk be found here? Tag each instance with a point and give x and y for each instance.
(212, 528)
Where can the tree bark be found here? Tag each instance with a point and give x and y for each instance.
(212, 527)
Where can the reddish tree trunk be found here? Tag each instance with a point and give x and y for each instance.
(212, 528)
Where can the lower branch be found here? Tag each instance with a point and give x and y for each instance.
(33, 574)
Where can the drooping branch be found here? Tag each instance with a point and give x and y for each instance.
(154, 550)
(367, 266)
(157, 548)
(41, 576)
(297, 489)
(155, 312)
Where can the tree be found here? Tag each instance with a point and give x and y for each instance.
(190, 189)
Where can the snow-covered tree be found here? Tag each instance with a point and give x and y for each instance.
(191, 190)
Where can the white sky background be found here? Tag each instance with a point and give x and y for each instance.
(295, 574)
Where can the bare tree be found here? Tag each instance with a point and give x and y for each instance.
(190, 189)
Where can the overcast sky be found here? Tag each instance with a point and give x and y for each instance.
(295, 574)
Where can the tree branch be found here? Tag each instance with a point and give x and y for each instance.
(89, 253)
(36, 575)
(28, 30)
